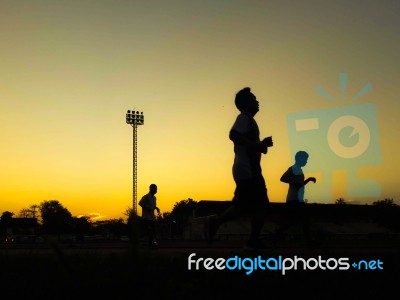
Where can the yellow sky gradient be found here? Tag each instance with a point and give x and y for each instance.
(69, 71)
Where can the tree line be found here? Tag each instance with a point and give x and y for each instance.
(54, 218)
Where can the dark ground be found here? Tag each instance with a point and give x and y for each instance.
(116, 271)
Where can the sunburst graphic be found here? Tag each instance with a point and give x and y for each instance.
(343, 86)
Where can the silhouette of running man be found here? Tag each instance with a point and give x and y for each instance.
(250, 197)
(148, 203)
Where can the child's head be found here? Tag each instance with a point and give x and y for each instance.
(301, 158)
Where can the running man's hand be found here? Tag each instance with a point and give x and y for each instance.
(268, 141)
(265, 143)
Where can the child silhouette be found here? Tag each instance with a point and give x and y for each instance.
(295, 198)
(295, 178)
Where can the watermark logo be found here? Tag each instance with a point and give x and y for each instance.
(282, 264)
(344, 137)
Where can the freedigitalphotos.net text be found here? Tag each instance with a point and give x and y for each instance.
(279, 263)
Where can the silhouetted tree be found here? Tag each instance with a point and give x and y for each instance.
(385, 202)
(165, 216)
(31, 212)
(340, 201)
(55, 217)
(81, 226)
(181, 212)
(113, 226)
(24, 213)
(34, 210)
(6, 216)
(387, 214)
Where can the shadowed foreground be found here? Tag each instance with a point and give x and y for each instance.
(163, 273)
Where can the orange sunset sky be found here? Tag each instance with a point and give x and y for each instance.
(69, 71)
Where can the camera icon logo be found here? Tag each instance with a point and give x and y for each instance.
(359, 127)
(345, 137)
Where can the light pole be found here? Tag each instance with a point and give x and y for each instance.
(134, 118)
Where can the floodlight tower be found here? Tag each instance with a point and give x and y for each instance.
(134, 118)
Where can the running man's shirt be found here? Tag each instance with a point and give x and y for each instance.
(246, 164)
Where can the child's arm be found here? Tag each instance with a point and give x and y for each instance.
(288, 177)
(310, 179)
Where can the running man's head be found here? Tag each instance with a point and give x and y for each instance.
(301, 158)
(153, 189)
(245, 101)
